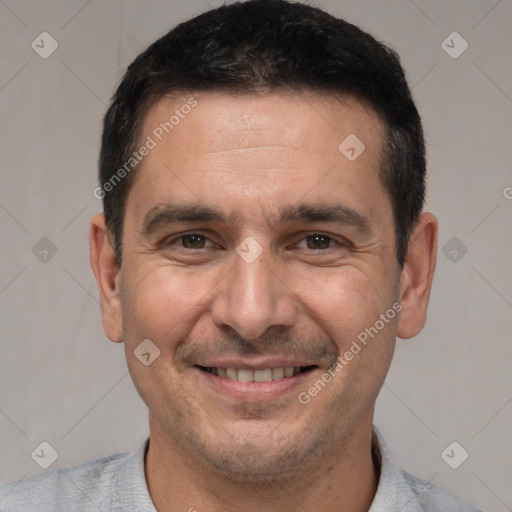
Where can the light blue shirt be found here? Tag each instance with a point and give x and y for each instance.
(117, 484)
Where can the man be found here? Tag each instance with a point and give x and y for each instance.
(262, 245)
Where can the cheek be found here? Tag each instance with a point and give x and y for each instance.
(345, 302)
(162, 302)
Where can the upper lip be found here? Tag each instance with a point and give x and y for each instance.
(254, 363)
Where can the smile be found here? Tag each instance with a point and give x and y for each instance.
(260, 375)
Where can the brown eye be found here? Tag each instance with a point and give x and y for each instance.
(318, 241)
(193, 241)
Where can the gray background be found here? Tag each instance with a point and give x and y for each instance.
(63, 382)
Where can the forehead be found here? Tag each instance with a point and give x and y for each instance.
(217, 120)
(246, 148)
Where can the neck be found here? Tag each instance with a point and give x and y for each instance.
(345, 479)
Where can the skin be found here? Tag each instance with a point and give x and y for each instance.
(303, 298)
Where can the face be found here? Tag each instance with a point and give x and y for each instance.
(255, 254)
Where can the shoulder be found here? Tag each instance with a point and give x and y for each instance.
(430, 497)
(399, 490)
(85, 487)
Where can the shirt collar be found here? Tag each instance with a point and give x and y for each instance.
(131, 489)
(393, 492)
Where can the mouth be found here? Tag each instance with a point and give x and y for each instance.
(259, 376)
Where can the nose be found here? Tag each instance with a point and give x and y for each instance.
(253, 298)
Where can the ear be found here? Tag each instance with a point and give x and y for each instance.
(108, 276)
(416, 277)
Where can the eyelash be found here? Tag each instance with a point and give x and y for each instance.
(332, 240)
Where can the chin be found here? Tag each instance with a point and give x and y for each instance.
(269, 460)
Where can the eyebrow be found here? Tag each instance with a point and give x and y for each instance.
(170, 213)
(164, 214)
(335, 214)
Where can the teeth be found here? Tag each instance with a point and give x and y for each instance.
(288, 372)
(266, 375)
(261, 375)
(277, 373)
(232, 373)
(245, 375)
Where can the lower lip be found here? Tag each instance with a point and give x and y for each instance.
(254, 390)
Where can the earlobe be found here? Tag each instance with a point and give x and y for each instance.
(108, 277)
(417, 275)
